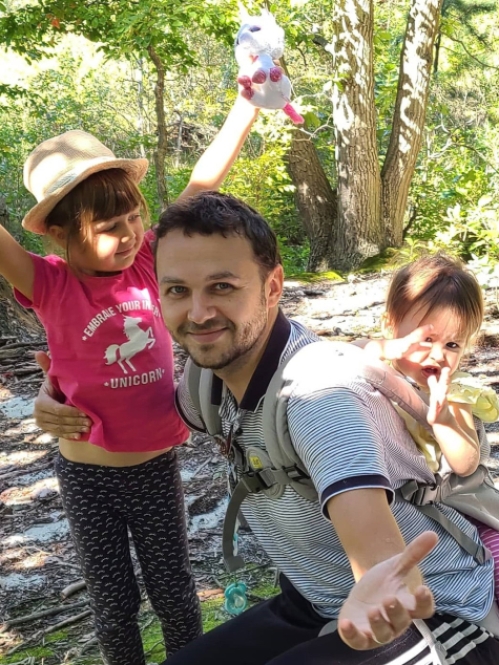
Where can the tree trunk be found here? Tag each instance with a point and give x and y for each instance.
(409, 116)
(315, 200)
(358, 233)
(162, 147)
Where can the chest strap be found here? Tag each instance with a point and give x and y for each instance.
(250, 482)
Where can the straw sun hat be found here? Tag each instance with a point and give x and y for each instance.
(57, 165)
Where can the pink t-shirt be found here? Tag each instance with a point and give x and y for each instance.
(112, 356)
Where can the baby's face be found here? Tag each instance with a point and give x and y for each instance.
(448, 344)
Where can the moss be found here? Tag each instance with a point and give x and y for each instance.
(266, 589)
(45, 653)
(213, 613)
(314, 277)
(38, 653)
(152, 639)
(260, 587)
(383, 261)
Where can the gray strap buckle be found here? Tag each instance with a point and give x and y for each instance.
(421, 494)
(254, 481)
(426, 494)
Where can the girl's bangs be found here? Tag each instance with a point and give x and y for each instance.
(111, 194)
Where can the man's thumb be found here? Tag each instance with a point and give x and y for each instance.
(43, 359)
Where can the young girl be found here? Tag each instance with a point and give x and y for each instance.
(434, 308)
(112, 359)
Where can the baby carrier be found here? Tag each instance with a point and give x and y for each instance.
(273, 469)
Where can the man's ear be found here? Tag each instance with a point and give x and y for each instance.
(275, 282)
(58, 235)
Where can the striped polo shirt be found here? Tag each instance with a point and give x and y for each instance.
(349, 437)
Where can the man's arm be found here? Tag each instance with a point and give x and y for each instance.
(53, 417)
(389, 589)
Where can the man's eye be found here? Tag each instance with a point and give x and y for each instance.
(176, 290)
(223, 286)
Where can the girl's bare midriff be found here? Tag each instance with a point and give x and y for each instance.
(86, 453)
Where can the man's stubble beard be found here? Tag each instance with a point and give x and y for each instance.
(249, 335)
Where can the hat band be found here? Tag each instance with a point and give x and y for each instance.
(68, 177)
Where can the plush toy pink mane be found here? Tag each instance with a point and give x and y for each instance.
(259, 42)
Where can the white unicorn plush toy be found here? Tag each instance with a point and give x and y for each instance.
(259, 42)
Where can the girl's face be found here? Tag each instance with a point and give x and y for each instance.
(110, 246)
(447, 344)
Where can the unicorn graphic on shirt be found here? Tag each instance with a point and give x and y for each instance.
(138, 340)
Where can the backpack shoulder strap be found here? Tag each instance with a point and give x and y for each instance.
(344, 362)
(199, 382)
(276, 434)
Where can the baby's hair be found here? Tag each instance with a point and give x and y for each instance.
(102, 196)
(433, 283)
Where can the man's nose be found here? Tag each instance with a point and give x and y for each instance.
(201, 309)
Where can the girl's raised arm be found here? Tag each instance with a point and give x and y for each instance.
(16, 264)
(217, 159)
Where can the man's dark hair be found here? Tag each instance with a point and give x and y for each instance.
(211, 212)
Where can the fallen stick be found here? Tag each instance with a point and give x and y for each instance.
(201, 467)
(51, 629)
(206, 594)
(67, 622)
(17, 621)
(26, 370)
(73, 588)
(20, 472)
(76, 652)
(15, 345)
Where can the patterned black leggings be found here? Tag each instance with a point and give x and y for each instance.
(100, 504)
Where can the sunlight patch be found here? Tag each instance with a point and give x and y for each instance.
(17, 407)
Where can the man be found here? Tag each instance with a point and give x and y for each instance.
(341, 557)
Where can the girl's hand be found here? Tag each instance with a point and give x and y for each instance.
(381, 606)
(439, 412)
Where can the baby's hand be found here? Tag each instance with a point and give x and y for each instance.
(438, 411)
(401, 347)
(414, 342)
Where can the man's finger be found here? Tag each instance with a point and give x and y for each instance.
(415, 552)
(353, 637)
(425, 603)
(43, 360)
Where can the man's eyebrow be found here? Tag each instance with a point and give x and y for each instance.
(217, 276)
(171, 280)
(225, 274)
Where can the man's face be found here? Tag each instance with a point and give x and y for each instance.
(214, 298)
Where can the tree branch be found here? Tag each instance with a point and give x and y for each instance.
(473, 57)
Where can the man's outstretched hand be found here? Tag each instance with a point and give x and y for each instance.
(380, 606)
(53, 417)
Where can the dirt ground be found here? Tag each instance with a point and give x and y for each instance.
(37, 559)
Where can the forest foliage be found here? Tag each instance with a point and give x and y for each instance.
(94, 66)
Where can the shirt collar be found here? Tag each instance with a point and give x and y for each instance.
(265, 370)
